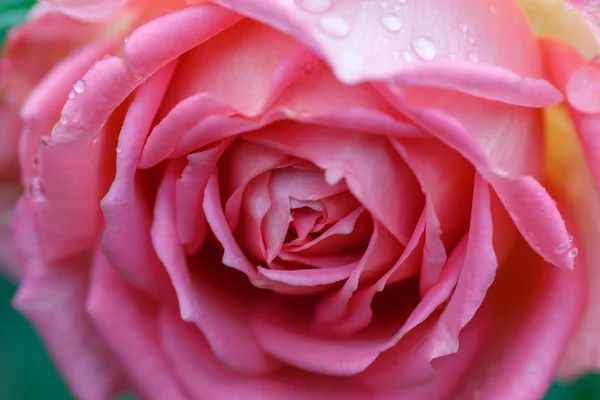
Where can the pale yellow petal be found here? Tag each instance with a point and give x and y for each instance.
(549, 18)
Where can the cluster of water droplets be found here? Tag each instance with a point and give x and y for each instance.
(421, 46)
(564, 247)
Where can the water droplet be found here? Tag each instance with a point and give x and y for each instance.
(474, 58)
(315, 6)
(463, 27)
(79, 86)
(35, 189)
(36, 160)
(583, 88)
(396, 54)
(335, 26)
(119, 150)
(384, 5)
(571, 239)
(106, 57)
(391, 23)
(407, 56)
(63, 119)
(72, 94)
(574, 252)
(561, 248)
(471, 39)
(44, 141)
(424, 48)
(126, 39)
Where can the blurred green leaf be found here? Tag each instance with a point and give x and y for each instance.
(26, 372)
(12, 12)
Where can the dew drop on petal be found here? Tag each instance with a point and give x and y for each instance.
(574, 252)
(334, 25)
(407, 56)
(424, 47)
(391, 23)
(35, 189)
(562, 247)
(463, 27)
(63, 119)
(471, 40)
(44, 141)
(72, 94)
(79, 86)
(315, 6)
(36, 160)
(119, 150)
(474, 58)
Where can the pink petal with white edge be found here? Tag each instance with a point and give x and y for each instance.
(208, 303)
(344, 33)
(113, 304)
(52, 296)
(127, 218)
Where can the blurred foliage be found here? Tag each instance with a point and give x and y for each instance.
(12, 12)
(26, 372)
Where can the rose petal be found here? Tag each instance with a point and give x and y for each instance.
(531, 208)
(113, 304)
(202, 295)
(52, 295)
(127, 219)
(374, 174)
(345, 34)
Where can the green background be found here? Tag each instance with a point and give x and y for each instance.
(26, 372)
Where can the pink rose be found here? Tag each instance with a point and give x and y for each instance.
(303, 199)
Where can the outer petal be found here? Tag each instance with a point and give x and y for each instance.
(113, 304)
(362, 41)
(535, 311)
(52, 295)
(574, 154)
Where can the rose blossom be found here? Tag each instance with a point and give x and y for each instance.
(301, 200)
